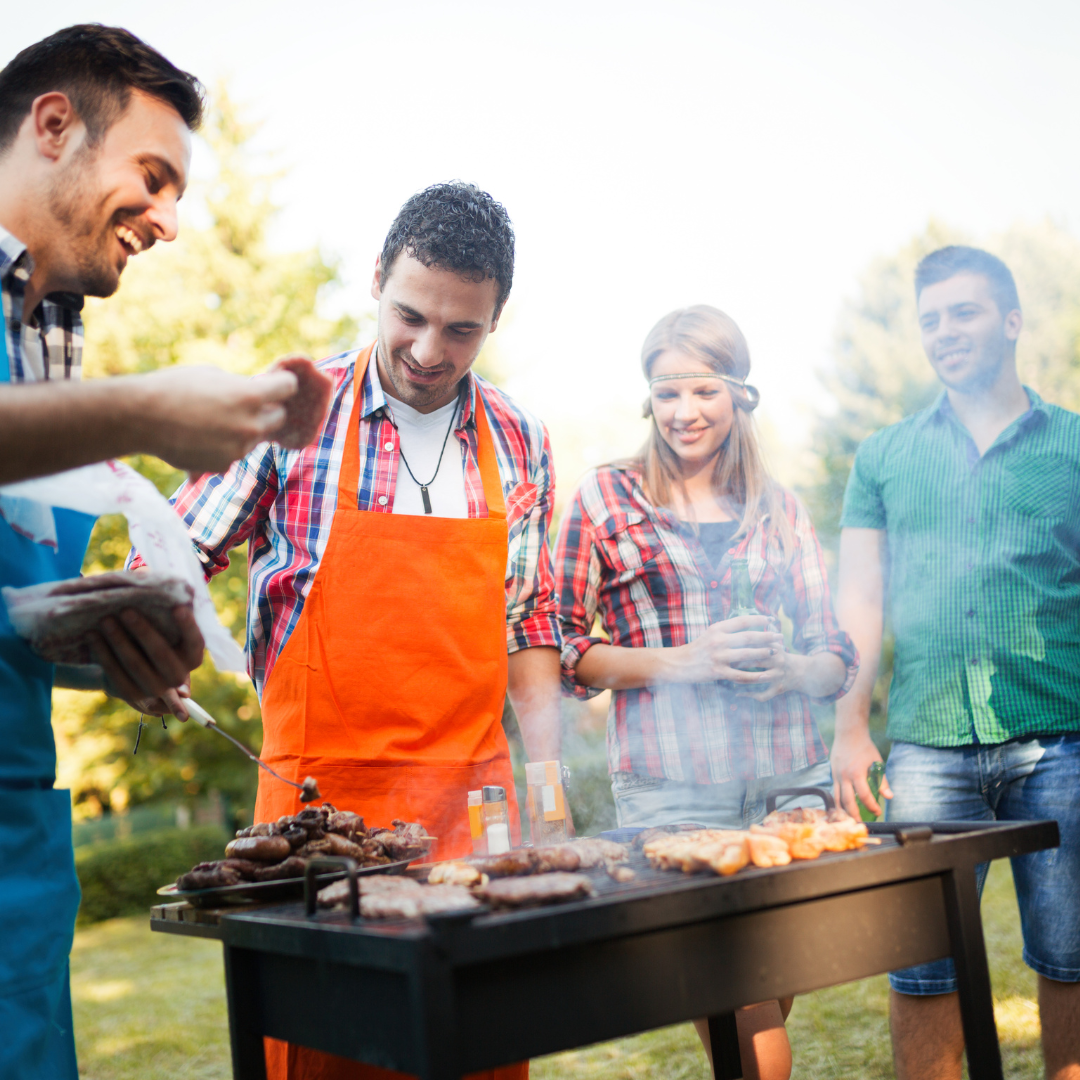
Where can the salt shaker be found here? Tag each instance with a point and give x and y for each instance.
(496, 820)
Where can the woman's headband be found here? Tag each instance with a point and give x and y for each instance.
(751, 392)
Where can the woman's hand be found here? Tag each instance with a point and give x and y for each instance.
(726, 649)
(784, 671)
(819, 675)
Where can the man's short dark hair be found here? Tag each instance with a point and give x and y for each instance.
(455, 227)
(956, 259)
(97, 67)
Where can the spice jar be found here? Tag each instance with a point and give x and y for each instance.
(496, 820)
(476, 822)
(546, 802)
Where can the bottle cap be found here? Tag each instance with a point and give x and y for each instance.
(494, 794)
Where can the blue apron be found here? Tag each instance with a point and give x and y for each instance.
(39, 893)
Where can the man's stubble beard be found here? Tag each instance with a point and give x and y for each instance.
(413, 396)
(72, 201)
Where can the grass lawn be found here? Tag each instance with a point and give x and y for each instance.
(152, 1006)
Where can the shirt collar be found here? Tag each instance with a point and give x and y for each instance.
(13, 255)
(375, 396)
(942, 409)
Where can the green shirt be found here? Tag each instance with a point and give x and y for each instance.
(984, 573)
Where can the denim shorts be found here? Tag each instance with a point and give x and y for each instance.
(1022, 780)
(648, 801)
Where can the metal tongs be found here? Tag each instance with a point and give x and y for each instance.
(309, 789)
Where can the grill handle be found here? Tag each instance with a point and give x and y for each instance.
(331, 862)
(779, 793)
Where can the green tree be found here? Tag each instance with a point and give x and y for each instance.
(880, 374)
(216, 295)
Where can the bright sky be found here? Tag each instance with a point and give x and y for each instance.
(754, 156)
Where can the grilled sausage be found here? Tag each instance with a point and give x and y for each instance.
(291, 867)
(263, 849)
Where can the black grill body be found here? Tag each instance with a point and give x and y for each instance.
(452, 995)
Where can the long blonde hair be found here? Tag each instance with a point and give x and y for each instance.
(740, 475)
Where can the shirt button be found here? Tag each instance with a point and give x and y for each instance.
(714, 584)
(971, 566)
(971, 521)
(971, 614)
(383, 500)
(388, 446)
(974, 661)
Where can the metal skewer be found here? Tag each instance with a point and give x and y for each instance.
(309, 789)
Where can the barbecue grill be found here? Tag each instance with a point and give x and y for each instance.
(467, 991)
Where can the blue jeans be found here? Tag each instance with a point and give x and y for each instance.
(1023, 780)
(648, 801)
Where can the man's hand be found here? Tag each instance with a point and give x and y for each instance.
(851, 758)
(142, 668)
(727, 648)
(861, 611)
(203, 419)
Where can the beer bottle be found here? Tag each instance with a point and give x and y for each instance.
(742, 592)
(742, 596)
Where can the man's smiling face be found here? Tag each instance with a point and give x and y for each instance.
(432, 325)
(967, 338)
(119, 198)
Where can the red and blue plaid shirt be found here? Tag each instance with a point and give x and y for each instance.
(648, 578)
(282, 502)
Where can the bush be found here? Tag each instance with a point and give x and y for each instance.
(122, 877)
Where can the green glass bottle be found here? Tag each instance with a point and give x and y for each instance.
(742, 592)
(742, 596)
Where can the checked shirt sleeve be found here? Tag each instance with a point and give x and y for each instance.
(806, 599)
(531, 609)
(222, 510)
(577, 584)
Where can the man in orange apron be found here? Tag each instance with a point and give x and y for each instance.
(391, 609)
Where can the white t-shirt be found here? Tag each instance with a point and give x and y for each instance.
(421, 438)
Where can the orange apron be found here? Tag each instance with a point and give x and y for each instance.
(390, 688)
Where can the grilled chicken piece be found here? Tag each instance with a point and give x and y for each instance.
(541, 889)
(809, 832)
(723, 850)
(455, 873)
(766, 849)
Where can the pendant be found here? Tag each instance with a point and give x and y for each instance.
(424, 496)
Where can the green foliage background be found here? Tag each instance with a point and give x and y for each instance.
(123, 876)
(217, 295)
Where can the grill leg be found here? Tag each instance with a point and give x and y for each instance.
(973, 974)
(242, 991)
(724, 1036)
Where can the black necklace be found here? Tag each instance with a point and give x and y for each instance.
(424, 487)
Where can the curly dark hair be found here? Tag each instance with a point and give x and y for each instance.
(97, 67)
(457, 227)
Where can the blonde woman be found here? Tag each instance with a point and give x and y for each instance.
(709, 713)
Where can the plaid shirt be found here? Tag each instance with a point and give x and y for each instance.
(283, 502)
(984, 573)
(48, 343)
(650, 581)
